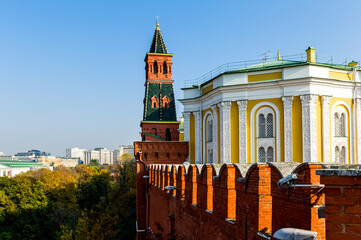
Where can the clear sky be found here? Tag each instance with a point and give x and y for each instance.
(72, 72)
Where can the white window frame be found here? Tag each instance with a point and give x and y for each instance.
(342, 107)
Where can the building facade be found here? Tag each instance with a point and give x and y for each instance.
(102, 155)
(159, 116)
(277, 111)
(75, 152)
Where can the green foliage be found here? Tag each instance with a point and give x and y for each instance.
(126, 157)
(69, 203)
(93, 162)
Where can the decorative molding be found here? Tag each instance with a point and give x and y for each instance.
(215, 134)
(242, 126)
(277, 132)
(326, 128)
(288, 143)
(198, 137)
(225, 131)
(309, 128)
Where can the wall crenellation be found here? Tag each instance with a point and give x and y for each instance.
(211, 197)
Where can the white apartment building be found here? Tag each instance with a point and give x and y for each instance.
(75, 152)
(103, 155)
(121, 150)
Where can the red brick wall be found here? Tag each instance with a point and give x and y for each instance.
(215, 205)
(342, 207)
(161, 130)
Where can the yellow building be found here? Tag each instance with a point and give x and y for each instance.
(276, 111)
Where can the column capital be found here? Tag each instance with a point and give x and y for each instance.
(214, 108)
(309, 99)
(197, 115)
(326, 100)
(287, 101)
(224, 106)
(186, 115)
(242, 104)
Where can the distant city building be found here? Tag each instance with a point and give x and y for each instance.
(30, 155)
(129, 149)
(102, 155)
(4, 157)
(11, 168)
(57, 161)
(75, 152)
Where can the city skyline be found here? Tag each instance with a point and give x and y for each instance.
(72, 73)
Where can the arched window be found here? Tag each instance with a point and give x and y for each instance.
(269, 125)
(154, 131)
(261, 155)
(261, 126)
(265, 132)
(168, 136)
(155, 102)
(270, 154)
(340, 133)
(209, 130)
(155, 67)
(164, 67)
(165, 101)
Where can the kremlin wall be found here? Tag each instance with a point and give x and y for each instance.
(265, 193)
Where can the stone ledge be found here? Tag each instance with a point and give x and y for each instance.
(339, 172)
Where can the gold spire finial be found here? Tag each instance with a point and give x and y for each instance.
(278, 55)
(157, 23)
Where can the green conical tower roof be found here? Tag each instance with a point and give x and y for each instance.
(158, 45)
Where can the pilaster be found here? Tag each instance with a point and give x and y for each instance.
(287, 109)
(225, 131)
(215, 133)
(326, 144)
(358, 132)
(198, 137)
(187, 128)
(309, 128)
(242, 124)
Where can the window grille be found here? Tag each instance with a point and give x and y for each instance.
(269, 125)
(261, 126)
(261, 155)
(270, 154)
(342, 155)
(209, 131)
(337, 155)
(342, 126)
(337, 125)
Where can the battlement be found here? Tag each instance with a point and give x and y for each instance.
(231, 201)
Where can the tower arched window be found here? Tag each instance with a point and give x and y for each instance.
(209, 130)
(261, 126)
(270, 154)
(155, 67)
(154, 131)
(165, 101)
(155, 102)
(168, 136)
(165, 67)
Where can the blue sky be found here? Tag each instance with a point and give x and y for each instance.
(72, 72)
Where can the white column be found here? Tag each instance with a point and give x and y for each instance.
(187, 130)
(288, 146)
(242, 125)
(309, 128)
(358, 132)
(326, 143)
(198, 137)
(215, 133)
(225, 131)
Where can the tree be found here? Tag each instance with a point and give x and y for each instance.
(126, 157)
(94, 162)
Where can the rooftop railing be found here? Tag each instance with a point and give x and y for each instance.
(232, 66)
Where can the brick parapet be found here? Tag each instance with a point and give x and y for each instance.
(220, 200)
(342, 201)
